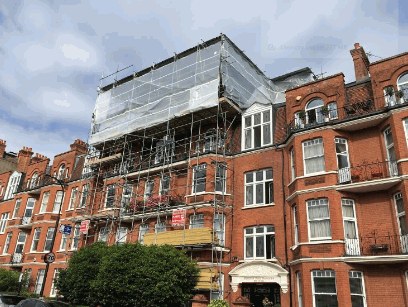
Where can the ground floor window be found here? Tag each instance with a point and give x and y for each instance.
(54, 279)
(357, 291)
(39, 281)
(260, 242)
(324, 289)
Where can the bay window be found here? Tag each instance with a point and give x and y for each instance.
(196, 221)
(259, 242)
(72, 198)
(259, 187)
(257, 130)
(36, 238)
(199, 178)
(319, 219)
(3, 221)
(16, 208)
(110, 196)
(313, 156)
(220, 177)
(44, 202)
(39, 281)
(58, 202)
(324, 288)
(48, 239)
(357, 290)
(149, 189)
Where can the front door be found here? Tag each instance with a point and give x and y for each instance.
(258, 292)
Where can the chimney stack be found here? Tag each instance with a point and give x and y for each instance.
(2, 148)
(79, 146)
(361, 62)
(24, 158)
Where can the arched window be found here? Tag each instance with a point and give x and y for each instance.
(402, 84)
(313, 114)
(61, 171)
(34, 180)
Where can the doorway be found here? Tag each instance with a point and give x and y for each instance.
(257, 293)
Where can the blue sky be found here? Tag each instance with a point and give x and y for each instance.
(53, 53)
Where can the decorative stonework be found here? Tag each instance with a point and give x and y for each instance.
(257, 272)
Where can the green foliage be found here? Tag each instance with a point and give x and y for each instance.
(8, 280)
(129, 275)
(74, 283)
(218, 303)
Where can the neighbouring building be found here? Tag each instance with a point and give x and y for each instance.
(291, 188)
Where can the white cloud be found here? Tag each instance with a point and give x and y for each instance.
(74, 53)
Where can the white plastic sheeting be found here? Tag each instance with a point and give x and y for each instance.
(185, 85)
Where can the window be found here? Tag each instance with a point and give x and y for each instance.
(210, 141)
(402, 85)
(402, 221)
(165, 149)
(12, 185)
(219, 227)
(295, 225)
(76, 237)
(257, 130)
(54, 279)
(44, 202)
(319, 219)
(48, 239)
(64, 239)
(299, 289)
(126, 195)
(260, 242)
(20, 242)
(160, 227)
(313, 111)
(7, 243)
(103, 234)
(61, 172)
(26, 278)
(218, 294)
(389, 145)
(121, 234)
(332, 110)
(342, 160)
(143, 229)
(196, 221)
(164, 185)
(199, 178)
(313, 156)
(292, 164)
(58, 202)
(67, 173)
(389, 94)
(73, 197)
(3, 221)
(149, 189)
(259, 187)
(357, 290)
(324, 288)
(16, 208)
(34, 178)
(39, 281)
(36, 238)
(220, 177)
(110, 196)
(28, 213)
(84, 196)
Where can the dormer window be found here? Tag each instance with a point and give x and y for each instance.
(61, 172)
(12, 185)
(402, 84)
(34, 178)
(257, 130)
(313, 111)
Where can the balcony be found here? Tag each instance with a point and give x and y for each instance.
(17, 259)
(34, 187)
(26, 222)
(388, 248)
(368, 177)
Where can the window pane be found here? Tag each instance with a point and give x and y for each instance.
(249, 247)
(348, 211)
(249, 195)
(325, 284)
(257, 119)
(260, 247)
(356, 286)
(326, 300)
(403, 225)
(267, 134)
(320, 229)
(259, 176)
(266, 116)
(400, 205)
(269, 192)
(259, 193)
(270, 246)
(357, 301)
(257, 136)
(269, 174)
(249, 177)
(248, 121)
(248, 140)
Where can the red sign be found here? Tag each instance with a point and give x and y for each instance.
(84, 226)
(179, 217)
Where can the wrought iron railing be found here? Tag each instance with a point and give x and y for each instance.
(368, 171)
(375, 245)
(17, 258)
(40, 182)
(26, 220)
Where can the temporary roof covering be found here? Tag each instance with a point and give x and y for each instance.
(188, 82)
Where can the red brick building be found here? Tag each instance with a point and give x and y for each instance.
(291, 189)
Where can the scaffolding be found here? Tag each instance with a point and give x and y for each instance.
(163, 139)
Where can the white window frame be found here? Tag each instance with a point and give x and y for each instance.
(36, 239)
(64, 241)
(12, 186)
(75, 237)
(20, 242)
(127, 194)
(54, 291)
(7, 243)
(16, 208)
(143, 229)
(295, 225)
(149, 188)
(72, 198)
(399, 85)
(44, 202)
(160, 227)
(318, 115)
(210, 141)
(218, 294)
(390, 101)
(251, 232)
(3, 222)
(34, 178)
(389, 147)
(401, 214)
(405, 124)
(333, 113)
(358, 275)
(349, 202)
(265, 182)
(201, 180)
(323, 274)
(110, 199)
(292, 164)
(121, 235)
(196, 221)
(39, 281)
(311, 143)
(48, 238)
(27, 208)
(163, 191)
(84, 195)
(59, 200)
(299, 288)
(103, 234)
(220, 178)
(252, 125)
(312, 202)
(61, 172)
(219, 227)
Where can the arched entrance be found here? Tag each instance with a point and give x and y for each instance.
(260, 279)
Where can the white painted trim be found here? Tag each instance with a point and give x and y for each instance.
(319, 189)
(257, 206)
(356, 259)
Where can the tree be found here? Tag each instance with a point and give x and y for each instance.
(74, 283)
(8, 280)
(218, 303)
(146, 276)
(128, 275)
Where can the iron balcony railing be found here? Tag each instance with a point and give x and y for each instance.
(377, 245)
(40, 182)
(26, 220)
(17, 258)
(368, 171)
